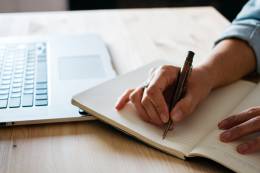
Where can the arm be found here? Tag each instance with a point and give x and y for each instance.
(235, 55)
(246, 28)
(230, 60)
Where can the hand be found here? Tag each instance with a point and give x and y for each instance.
(240, 125)
(150, 102)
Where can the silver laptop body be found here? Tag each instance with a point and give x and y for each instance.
(39, 75)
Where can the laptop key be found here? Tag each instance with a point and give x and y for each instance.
(18, 80)
(18, 75)
(42, 97)
(16, 94)
(28, 86)
(29, 77)
(41, 85)
(16, 85)
(28, 82)
(16, 90)
(4, 91)
(28, 91)
(6, 82)
(20, 71)
(29, 73)
(30, 68)
(3, 103)
(41, 72)
(7, 73)
(3, 87)
(41, 91)
(14, 102)
(27, 100)
(41, 102)
(3, 96)
(6, 77)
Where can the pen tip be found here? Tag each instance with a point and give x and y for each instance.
(164, 134)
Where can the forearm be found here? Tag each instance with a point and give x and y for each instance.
(230, 60)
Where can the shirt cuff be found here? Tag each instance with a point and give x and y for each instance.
(248, 33)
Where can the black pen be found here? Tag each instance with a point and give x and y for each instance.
(181, 84)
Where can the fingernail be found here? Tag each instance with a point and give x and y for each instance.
(172, 127)
(117, 106)
(225, 136)
(177, 116)
(164, 118)
(243, 148)
(221, 124)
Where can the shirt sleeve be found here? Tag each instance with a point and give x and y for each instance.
(246, 27)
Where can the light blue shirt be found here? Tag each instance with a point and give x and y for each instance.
(246, 27)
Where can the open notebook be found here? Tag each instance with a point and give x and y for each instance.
(198, 135)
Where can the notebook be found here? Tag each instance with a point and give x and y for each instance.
(198, 135)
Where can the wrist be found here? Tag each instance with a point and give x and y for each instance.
(207, 76)
(229, 61)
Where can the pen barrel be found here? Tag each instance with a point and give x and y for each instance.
(185, 72)
(181, 82)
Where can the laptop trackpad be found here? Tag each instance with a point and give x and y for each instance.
(81, 67)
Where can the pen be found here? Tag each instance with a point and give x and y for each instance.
(181, 84)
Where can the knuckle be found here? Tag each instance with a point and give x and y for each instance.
(257, 119)
(184, 108)
(151, 91)
(158, 108)
(232, 118)
(237, 130)
(253, 111)
(132, 97)
(144, 101)
(256, 122)
(168, 69)
(187, 106)
(128, 91)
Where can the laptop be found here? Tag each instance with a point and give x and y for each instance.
(39, 75)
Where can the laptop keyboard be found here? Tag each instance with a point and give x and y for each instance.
(23, 72)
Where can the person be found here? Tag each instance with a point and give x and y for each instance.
(235, 54)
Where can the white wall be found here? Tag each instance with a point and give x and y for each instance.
(32, 5)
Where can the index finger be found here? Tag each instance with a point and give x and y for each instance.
(155, 91)
(123, 99)
(164, 77)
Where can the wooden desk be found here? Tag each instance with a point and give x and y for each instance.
(135, 37)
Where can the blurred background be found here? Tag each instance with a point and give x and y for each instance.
(229, 8)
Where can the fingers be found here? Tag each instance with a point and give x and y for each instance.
(239, 125)
(150, 103)
(165, 76)
(183, 108)
(145, 108)
(151, 111)
(161, 80)
(239, 118)
(157, 99)
(241, 130)
(249, 146)
(136, 98)
(124, 98)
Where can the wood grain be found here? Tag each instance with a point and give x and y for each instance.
(134, 37)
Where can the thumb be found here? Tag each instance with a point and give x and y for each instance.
(183, 108)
